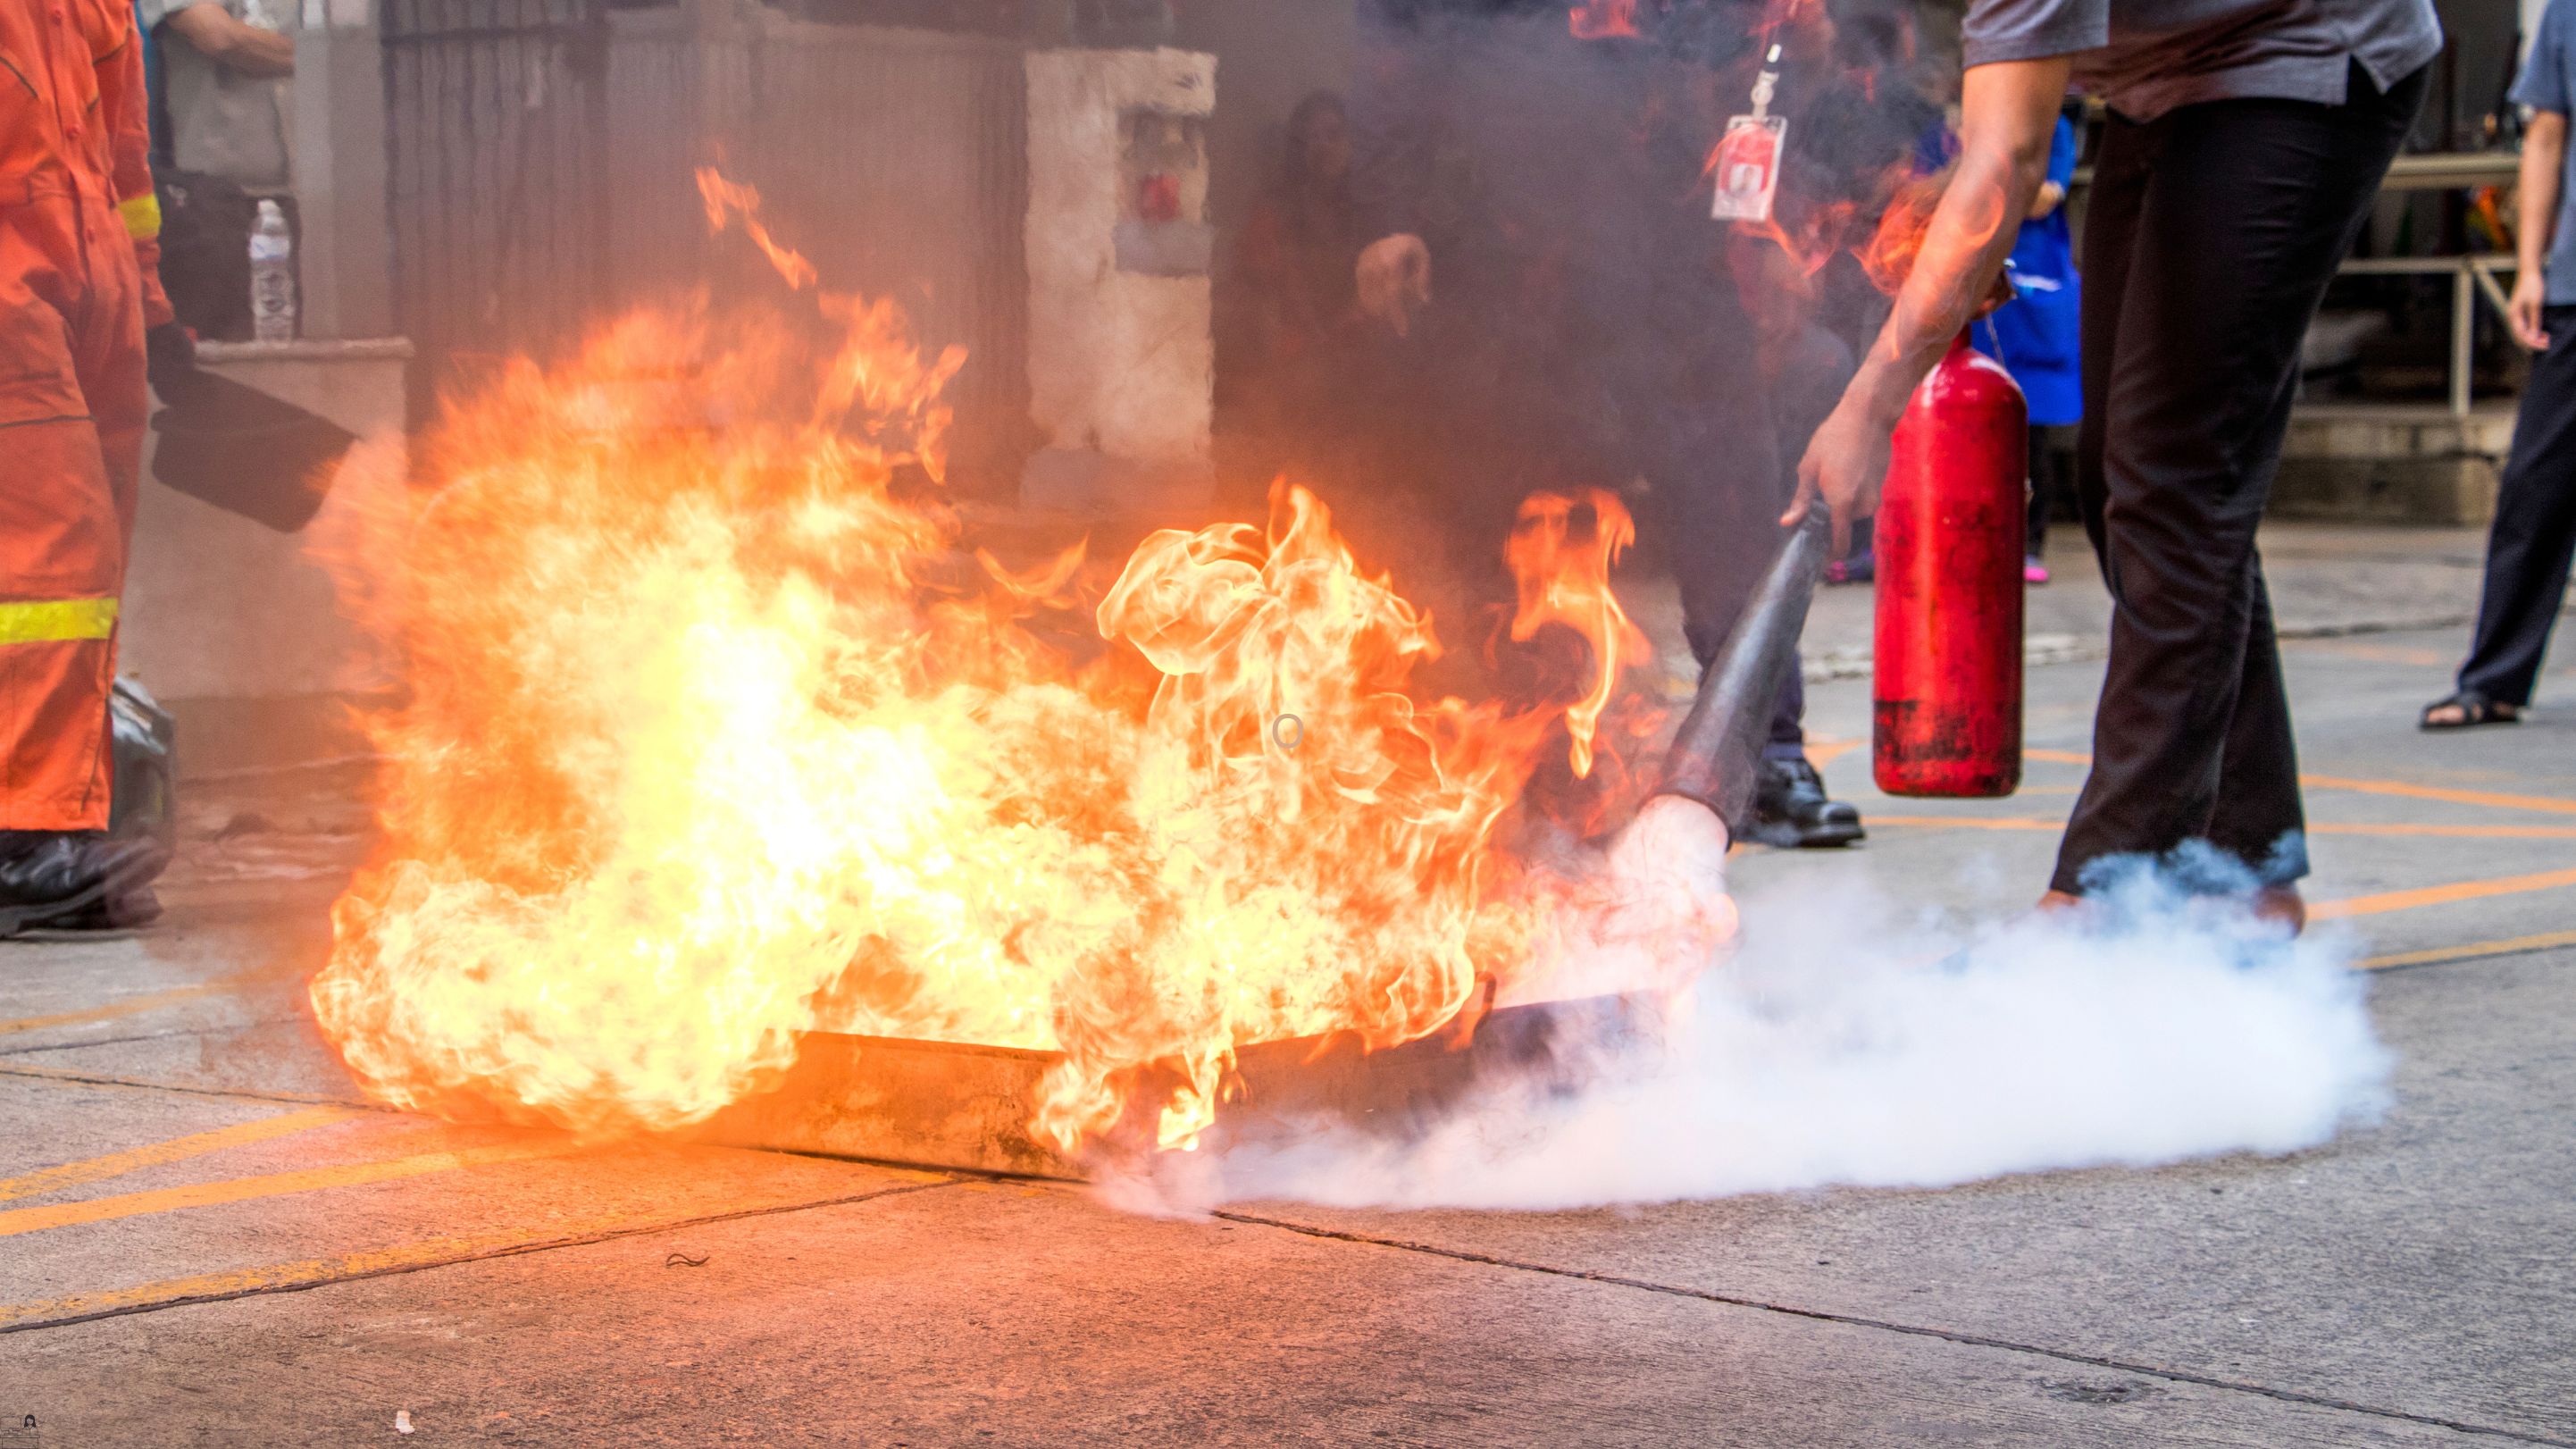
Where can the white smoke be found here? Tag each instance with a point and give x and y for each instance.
(1848, 1043)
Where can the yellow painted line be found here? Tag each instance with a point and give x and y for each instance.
(278, 1184)
(2471, 952)
(2465, 832)
(2433, 792)
(2556, 805)
(2377, 653)
(429, 1253)
(1823, 752)
(1969, 822)
(123, 1006)
(178, 1149)
(2441, 895)
(2462, 832)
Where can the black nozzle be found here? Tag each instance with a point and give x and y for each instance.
(1714, 756)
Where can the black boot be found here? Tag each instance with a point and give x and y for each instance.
(1790, 810)
(73, 879)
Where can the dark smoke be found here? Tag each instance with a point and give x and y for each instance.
(1590, 324)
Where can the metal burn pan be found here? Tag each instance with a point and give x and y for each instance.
(964, 1106)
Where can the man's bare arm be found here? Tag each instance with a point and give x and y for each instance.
(2544, 169)
(2008, 115)
(233, 44)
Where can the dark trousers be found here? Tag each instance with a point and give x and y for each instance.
(1724, 520)
(2535, 527)
(1721, 549)
(2212, 233)
(2052, 477)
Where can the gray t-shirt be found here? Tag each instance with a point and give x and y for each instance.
(2548, 83)
(221, 121)
(2145, 57)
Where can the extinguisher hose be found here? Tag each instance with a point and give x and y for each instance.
(1715, 754)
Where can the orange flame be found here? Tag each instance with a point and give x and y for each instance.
(1566, 580)
(1888, 256)
(728, 199)
(1816, 237)
(712, 739)
(1603, 19)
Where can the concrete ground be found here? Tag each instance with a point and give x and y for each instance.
(213, 1241)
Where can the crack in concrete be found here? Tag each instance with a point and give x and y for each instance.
(70, 1046)
(1915, 1330)
(242, 1094)
(506, 1250)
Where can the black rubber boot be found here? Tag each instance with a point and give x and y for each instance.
(74, 880)
(120, 911)
(1791, 810)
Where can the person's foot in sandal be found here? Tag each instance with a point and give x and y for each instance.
(2467, 710)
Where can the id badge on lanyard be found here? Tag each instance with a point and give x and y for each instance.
(1746, 163)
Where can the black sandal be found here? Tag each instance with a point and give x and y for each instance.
(2475, 709)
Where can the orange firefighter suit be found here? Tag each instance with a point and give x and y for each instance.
(79, 283)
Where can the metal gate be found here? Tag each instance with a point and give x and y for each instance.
(495, 128)
(539, 158)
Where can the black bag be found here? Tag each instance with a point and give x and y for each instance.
(245, 452)
(142, 753)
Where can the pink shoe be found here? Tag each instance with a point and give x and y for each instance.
(2033, 571)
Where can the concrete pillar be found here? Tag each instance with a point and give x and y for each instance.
(344, 252)
(1122, 362)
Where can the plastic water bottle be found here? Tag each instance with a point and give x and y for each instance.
(272, 276)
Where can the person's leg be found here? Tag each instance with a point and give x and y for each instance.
(2120, 174)
(68, 343)
(1789, 715)
(2042, 475)
(2529, 545)
(1721, 503)
(62, 537)
(2250, 207)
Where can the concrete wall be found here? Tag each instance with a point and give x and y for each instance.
(339, 123)
(2392, 465)
(232, 623)
(1122, 364)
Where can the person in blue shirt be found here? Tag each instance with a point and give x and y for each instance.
(2036, 337)
(2534, 534)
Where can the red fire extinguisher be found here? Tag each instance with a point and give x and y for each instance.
(1949, 545)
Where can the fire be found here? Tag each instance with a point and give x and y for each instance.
(1889, 254)
(1603, 19)
(726, 200)
(1816, 238)
(716, 735)
(1566, 580)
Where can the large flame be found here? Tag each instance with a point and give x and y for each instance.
(715, 735)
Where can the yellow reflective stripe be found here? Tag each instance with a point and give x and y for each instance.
(142, 216)
(53, 621)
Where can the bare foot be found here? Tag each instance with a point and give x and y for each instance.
(2057, 902)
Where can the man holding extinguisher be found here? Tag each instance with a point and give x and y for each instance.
(2246, 142)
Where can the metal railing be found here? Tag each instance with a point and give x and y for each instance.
(2470, 276)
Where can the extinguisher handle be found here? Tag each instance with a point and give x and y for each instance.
(1715, 754)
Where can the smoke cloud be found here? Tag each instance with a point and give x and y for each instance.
(1853, 1043)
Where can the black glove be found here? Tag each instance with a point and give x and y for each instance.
(169, 359)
